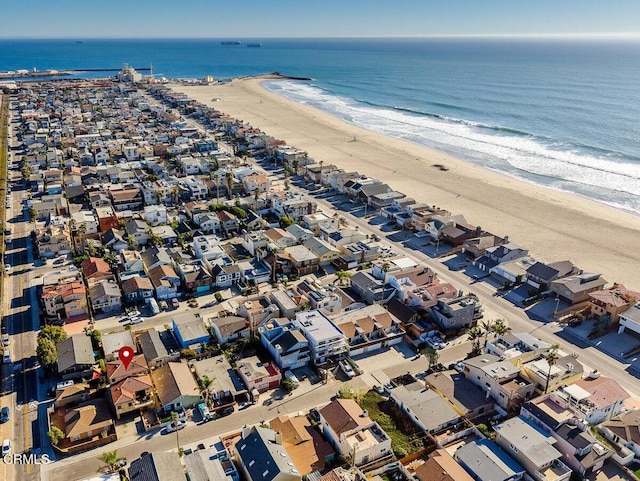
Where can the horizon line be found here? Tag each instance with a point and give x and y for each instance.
(566, 35)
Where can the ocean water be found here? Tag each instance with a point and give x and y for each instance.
(561, 113)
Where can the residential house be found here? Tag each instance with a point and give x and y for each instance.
(96, 270)
(175, 386)
(576, 289)
(286, 344)
(207, 222)
(189, 330)
(257, 309)
(630, 319)
(287, 301)
(87, 219)
(112, 342)
(501, 380)
(152, 347)
(566, 370)
(75, 357)
(157, 466)
(132, 394)
(165, 281)
(156, 256)
(105, 296)
(207, 248)
(532, 448)
(107, 218)
(302, 259)
(327, 299)
(440, 466)
(324, 251)
(131, 264)
(228, 222)
(116, 370)
(306, 446)
(195, 277)
(155, 214)
(370, 289)
(229, 328)
(126, 199)
(139, 231)
(225, 387)
(428, 410)
(623, 431)
(114, 239)
(455, 314)
(258, 376)
(594, 398)
(497, 255)
(353, 434)
(262, 457)
(326, 341)
(280, 238)
(580, 449)
(485, 461)
(225, 276)
(476, 247)
(466, 398)
(517, 347)
(64, 301)
(137, 289)
(612, 302)
(292, 205)
(54, 240)
(89, 421)
(369, 329)
(541, 275)
(209, 465)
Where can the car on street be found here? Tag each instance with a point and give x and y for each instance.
(174, 303)
(135, 313)
(225, 412)
(176, 426)
(4, 415)
(6, 447)
(7, 267)
(6, 357)
(435, 343)
(5, 340)
(135, 320)
(576, 321)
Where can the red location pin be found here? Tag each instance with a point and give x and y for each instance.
(126, 356)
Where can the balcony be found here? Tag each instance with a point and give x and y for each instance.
(557, 471)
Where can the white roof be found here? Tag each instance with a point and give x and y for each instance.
(403, 263)
(577, 392)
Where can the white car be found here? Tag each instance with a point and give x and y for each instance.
(435, 343)
(5, 340)
(348, 370)
(6, 447)
(135, 320)
(173, 427)
(7, 267)
(135, 313)
(421, 234)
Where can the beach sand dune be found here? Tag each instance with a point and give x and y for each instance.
(553, 225)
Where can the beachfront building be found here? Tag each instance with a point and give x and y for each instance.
(326, 341)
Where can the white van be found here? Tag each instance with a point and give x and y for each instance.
(64, 384)
(6, 357)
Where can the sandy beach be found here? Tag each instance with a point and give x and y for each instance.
(552, 225)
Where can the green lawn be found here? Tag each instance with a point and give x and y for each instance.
(405, 437)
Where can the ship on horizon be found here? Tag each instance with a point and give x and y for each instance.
(254, 44)
(230, 42)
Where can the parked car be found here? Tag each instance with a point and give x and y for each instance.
(135, 320)
(174, 303)
(6, 447)
(5, 340)
(314, 414)
(4, 415)
(176, 426)
(134, 313)
(347, 369)
(226, 411)
(435, 343)
(7, 267)
(421, 234)
(575, 322)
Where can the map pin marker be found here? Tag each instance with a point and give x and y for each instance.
(126, 356)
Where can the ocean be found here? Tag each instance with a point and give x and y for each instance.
(560, 113)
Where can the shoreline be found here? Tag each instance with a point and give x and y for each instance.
(552, 224)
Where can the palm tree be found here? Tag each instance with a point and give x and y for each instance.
(500, 327)
(475, 333)
(343, 276)
(432, 355)
(551, 357)
(111, 459)
(487, 327)
(385, 268)
(174, 420)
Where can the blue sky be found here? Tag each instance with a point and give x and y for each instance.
(319, 18)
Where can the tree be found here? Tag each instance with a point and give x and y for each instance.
(55, 435)
(111, 459)
(487, 327)
(129, 239)
(551, 357)
(174, 420)
(46, 353)
(474, 334)
(343, 277)
(82, 229)
(27, 170)
(154, 239)
(33, 214)
(288, 385)
(111, 259)
(285, 221)
(229, 181)
(432, 355)
(500, 327)
(55, 334)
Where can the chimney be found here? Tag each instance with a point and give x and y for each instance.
(365, 413)
(506, 239)
(278, 438)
